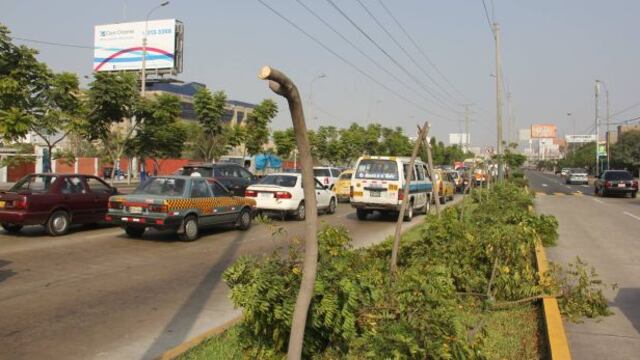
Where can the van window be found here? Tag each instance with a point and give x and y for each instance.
(321, 172)
(377, 170)
(420, 172)
(406, 170)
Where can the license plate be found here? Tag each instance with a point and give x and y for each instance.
(374, 193)
(2, 204)
(265, 195)
(135, 209)
(357, 193)
(621, 185)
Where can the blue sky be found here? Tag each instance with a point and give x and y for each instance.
(552, 51)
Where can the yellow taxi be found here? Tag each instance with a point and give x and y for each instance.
(342, 186)
(446, 188)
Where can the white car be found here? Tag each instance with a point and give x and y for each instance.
(326, 175)
(282, 193)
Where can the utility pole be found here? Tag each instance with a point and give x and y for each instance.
(496, 36)
(510, 119)
(466, 126)
(597, 171)
(608, 130)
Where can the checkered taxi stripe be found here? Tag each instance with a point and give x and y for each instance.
(208, 203)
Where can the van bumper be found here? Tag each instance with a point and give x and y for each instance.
(375, 206)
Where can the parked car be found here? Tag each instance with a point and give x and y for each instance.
(232, 176)
(446, 189)
(55, 201)
(342, 187)
(283, 194)
(378, 183)
(577, 176)
(181, 203)
(564, 172)
(616, 182)
(326, 175)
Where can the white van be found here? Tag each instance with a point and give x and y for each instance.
(377, 184)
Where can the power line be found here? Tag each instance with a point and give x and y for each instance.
(317, 16)
(626, 109)
(413, 60)
(368, 37)
(486, 12)
(53, 43)
(341, 58)
(421, 51)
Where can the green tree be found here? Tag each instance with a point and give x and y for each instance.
(34, 99)
(258, 126)
(395, 143)
(625, 154)
(113, 100)
(160, 136)
(352, 143)
(285, 142)
(208, 142)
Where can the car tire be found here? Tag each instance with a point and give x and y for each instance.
(58, 223)
(189, 229)
(135, 232)
(12, 228)
(634, 194)
(332, 206)
(408, 213)
(443, 200)
(244, 220)
(300, 214)
(427, 205)
(362, 214)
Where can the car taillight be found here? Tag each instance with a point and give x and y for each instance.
(283, 195)
(117, 205)
(326, 181)
(635, 184)
(250, 193)
(350, 191)
(607, 184)
(20, 204)
(401, 194)
(157, 208)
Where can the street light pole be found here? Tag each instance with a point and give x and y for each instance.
(608, 130)
(496, 36)
(573, 131)
(319, 76)
(597, 171)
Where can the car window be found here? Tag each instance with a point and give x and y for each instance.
(319, 185)
(224, 171)
(377, 169)
(98, 186)
(72, 185)
(346, 176)
(199, 189)
(279, 180)
(419, 170)
(618, 175)
(335, 172)
(321, 172)
(218, 190)
(34, 183)
(244, 174)
(162, 186)
(406, 170)
(202, 170)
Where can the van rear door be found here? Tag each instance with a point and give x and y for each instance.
(376, 181)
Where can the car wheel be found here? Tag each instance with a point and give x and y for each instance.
(603, 193)
(362, 214)
(11, 228)
(332, 206)
(58, 223)
(408, 212)
(634, 194)
(134, 231)
(244, 220)
(443, 200)
(595, 190)
(189, 229)
(300, 212)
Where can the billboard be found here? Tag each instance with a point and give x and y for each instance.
(118, 47)
(579, 139)
(459, 138)
(543, 131)
(524, 134)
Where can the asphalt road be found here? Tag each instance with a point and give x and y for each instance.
(605, 232)
(97, 294)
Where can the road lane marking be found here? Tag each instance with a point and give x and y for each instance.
(559, 193)
(578, 193)
(633, 216)
(598, 201)
(544, 185)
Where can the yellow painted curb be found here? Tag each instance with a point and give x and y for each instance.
(557, 339)
(187, 345)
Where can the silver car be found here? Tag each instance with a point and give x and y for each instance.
(577, 176)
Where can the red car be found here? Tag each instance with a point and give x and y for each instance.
(55, 201)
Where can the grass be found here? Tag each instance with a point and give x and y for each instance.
(225, 346)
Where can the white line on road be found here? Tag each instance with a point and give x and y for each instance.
(544, 185)
(630, 214)
(598, 201)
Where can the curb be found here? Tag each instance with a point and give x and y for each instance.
(189, 344)
(557, 343)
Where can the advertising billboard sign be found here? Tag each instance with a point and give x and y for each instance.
(459, 138)
(118, 47)
(543, 131)
(579, 139)
(524, 134)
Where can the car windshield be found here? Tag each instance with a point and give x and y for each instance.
(162, 186)
(279, 180)
(578, 172)
(202, 170)
(618, 175)
(34, 183)
(377, 169)
(321, 172)
(345, 176)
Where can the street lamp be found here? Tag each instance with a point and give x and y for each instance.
(143, 72)
(318, 77)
